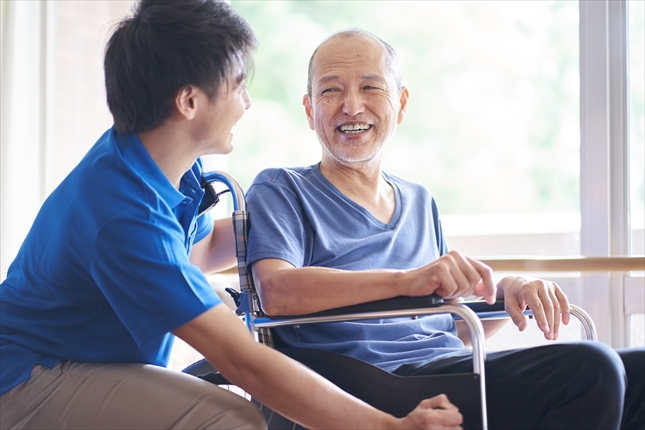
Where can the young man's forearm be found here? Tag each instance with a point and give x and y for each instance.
(274, 379)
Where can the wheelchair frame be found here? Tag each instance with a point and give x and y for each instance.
(259, 324)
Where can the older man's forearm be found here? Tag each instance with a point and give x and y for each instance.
(285, 290)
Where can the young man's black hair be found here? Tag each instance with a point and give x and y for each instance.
(165, 46)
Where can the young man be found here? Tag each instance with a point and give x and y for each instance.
(114, 261)
(357, 234)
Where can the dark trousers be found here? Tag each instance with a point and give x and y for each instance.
(582, 385)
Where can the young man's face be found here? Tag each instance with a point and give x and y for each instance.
(355, 104)
(221, 115)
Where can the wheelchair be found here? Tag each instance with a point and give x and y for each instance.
(397, 395)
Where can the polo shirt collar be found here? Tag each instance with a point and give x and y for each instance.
(138, 158)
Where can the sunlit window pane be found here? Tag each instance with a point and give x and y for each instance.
(493, 118)
(636, 41)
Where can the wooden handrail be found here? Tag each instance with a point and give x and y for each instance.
(555, 264)
(567, 264)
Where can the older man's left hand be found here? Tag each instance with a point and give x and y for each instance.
(546, 300)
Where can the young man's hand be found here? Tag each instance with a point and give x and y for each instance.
(434, 413)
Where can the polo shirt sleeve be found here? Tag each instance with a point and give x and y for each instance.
(142, 268)
(204, 226)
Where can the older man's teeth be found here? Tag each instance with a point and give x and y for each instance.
(354, 128)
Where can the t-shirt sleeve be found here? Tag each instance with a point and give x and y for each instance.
(142, 268)
(438, 230)
(278, 224)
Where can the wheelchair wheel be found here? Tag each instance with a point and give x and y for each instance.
(202, 369)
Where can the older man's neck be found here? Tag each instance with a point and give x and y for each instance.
(364, 185)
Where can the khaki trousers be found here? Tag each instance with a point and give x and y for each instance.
(76, 395)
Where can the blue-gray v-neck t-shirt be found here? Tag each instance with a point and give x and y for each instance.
(298, 216)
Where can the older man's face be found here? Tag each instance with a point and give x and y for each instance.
(355, 105)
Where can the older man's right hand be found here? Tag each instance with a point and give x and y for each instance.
(454, 275)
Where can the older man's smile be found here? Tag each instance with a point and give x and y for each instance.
(354, 128)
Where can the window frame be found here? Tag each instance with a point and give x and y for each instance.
(604, 166)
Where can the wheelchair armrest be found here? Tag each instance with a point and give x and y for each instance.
(497, 311)
(403, 303)
(485, 311)
(480, 306)
(400, 303)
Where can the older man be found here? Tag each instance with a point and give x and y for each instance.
(343, 232)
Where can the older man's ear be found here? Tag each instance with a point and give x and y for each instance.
(306, 102)
(403, 101)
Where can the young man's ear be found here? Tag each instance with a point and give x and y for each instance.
(186, 102)
(403, 108)
(306, 102)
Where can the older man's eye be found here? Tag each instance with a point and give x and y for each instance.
(328, 90)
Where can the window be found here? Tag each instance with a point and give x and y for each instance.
(492, 124)
(492, 127)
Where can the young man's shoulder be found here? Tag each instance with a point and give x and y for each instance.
(116, 176)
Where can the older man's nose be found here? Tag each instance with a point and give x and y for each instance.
(353, 104)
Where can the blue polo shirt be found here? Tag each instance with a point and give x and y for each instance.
(104, 273)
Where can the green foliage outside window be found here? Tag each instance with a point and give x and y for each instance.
(493, 117)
